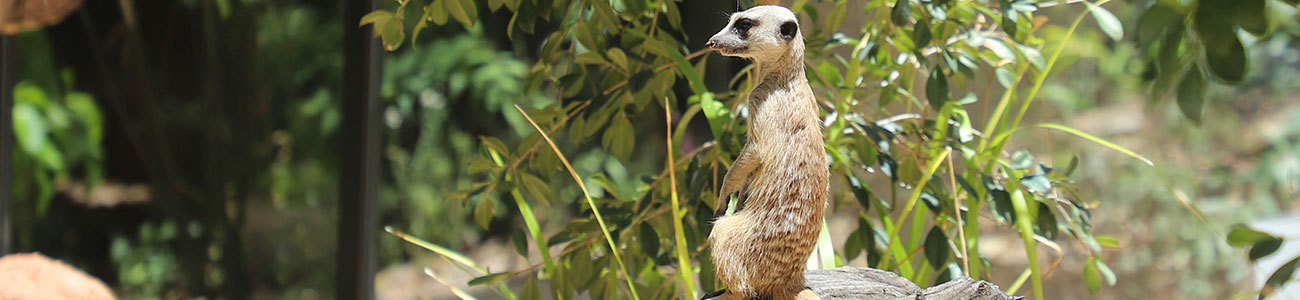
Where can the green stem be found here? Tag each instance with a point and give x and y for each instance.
(1021, 206)
(930, 168)
(972, 237)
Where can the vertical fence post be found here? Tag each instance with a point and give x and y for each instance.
(358, 225)
(7, 61)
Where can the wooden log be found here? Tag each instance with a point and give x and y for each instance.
(846, 283)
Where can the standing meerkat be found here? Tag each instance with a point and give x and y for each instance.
(781, 174)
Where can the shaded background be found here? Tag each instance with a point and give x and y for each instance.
(196, 150)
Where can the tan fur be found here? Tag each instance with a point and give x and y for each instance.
(760, 251)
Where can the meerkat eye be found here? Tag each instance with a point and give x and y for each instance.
(745, 24)
(789, 29)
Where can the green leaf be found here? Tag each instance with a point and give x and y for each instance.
(936, 88)
(936, 248)
(531, 290)
(1106, 272)
(715, 111)
(1091, 276)
(1241, 235)
(1032, 55)
(649, 239)
(436, 12)
(480, 164)
(1217, 29)
(693, 77)
(853, 245)
(1191, 93)
(519, 239)
(619, 138)
(51, 157)
(1005, 77)
(1107, 241)
(1021, 159)
(1107, 21)
(30, 128)
(921, 34)
(495, 144)
(1001, 204)
(1227, 60)
(28, 93)
(860, 190)
(490, 279)
(837, 15)
(483, 212)
(1282, 275)
(1156, 20)
(494, 5)
(1253, 16)
(1000, 49)
(831, 73)
(619, 58)
(420, 25)
(463, 11)
(1009, 18)
(580, 270)
(1264, 248)
(387, 26)
(83, 106)
(377, 16)
(1099, 141)
(1046, 221)
(1038, 184)
(536, 188)
(901, 15)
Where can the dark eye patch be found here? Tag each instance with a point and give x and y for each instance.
(743, 25)
(788, 30)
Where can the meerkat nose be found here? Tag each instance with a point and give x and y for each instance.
(712, 44)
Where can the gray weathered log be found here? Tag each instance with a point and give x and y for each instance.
(847, 283)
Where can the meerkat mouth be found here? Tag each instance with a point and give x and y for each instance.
(731, 50)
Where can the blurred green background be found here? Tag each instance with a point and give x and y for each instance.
(188, 149)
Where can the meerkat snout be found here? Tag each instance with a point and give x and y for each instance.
(758, 31)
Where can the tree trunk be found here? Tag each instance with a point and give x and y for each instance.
(846, 283)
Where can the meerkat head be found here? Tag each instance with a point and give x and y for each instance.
(759, 33)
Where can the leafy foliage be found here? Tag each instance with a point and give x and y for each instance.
(57, 133)
(607, 62)
(1261, 245)
(1183, 40)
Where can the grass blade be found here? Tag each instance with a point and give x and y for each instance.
(1099, 141)
(454, 290)
(440, 250)
(613, 247)
(679, 233)
(453, 256)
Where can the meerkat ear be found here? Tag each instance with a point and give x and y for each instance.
(789, 29)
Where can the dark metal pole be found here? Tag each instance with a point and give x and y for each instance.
(7, 61)
(358, 225)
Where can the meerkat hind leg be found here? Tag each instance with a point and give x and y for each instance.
(737, 178)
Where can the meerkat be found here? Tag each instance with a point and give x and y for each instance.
(781, 174)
